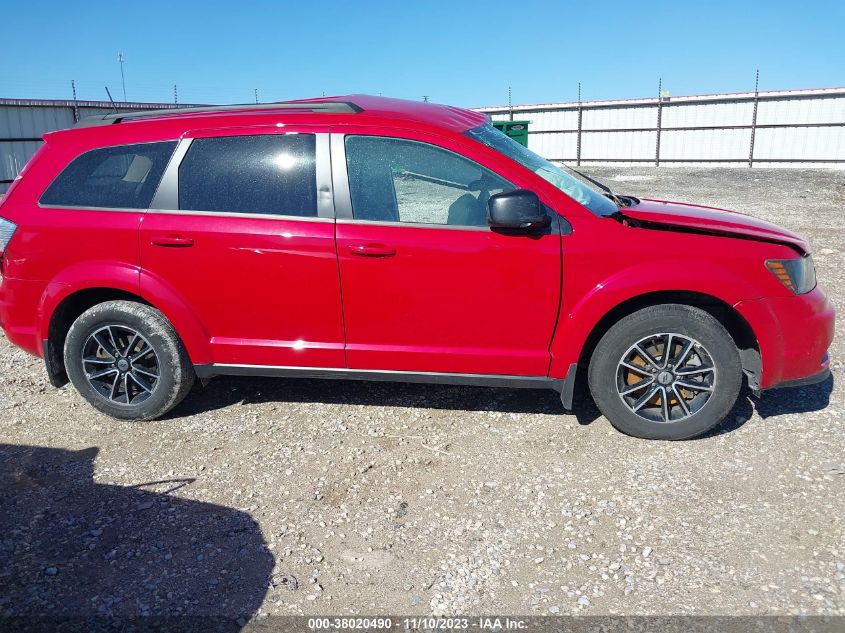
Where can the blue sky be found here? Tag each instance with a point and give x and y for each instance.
(463, 53)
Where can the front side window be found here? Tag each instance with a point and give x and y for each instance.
(269, 174)
(397, 180)
(122, 177)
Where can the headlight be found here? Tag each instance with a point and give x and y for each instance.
(799, 275)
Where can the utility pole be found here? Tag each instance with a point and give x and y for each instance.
(425, 98)
(754, 118)
(75, 107)
(580, 118)
(175, 95)
(256, 95)
(659, 121)
(510, 103)
(121, 59)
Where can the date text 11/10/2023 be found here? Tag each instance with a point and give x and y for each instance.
(419, 623)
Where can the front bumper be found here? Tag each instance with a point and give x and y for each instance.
(815, 379)
(794, 335)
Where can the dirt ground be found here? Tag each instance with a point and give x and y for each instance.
(309, 497)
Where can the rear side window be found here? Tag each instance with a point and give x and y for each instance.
(122, 177)
(270, 174)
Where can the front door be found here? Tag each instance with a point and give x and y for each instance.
(427, 286)
(245, 242)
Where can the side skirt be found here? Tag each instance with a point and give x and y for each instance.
(205, 372)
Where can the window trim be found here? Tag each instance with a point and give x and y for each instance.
(93, 208)
(166, 198)
(343, 195)
(415, 225)
(167, 194)
(340, 178)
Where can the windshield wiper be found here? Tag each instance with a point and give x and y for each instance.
(617, 199)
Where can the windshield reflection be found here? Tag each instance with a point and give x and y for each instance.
(568, 183)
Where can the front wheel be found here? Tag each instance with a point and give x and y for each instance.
(126, 360)
(668, 372)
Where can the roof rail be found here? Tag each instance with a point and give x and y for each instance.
(338, 107)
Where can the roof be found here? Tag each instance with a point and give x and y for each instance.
(450, 117)
(366, 106)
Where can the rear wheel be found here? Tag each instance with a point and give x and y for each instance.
(666, 372)
(127, 360)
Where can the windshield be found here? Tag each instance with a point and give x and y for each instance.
(568, 183)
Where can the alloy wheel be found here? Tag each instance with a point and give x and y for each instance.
(120, 364)
(665, 377)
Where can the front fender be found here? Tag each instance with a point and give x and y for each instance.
(591, 304)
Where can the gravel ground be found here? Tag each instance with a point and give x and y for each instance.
(294, 496)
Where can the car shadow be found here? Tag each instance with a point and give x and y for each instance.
(774, 403)
(225, 391)
(73, 550)
(796, 399)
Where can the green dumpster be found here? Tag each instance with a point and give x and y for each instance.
(517, 130)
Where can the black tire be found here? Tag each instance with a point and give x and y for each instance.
(175, 372)
(715, 344)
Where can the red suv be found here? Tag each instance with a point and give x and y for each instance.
(378, 239)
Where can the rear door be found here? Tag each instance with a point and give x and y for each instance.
(239, 232)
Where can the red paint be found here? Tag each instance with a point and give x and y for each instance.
(345, 294)
(446, 301)
(794, 332)
(712, 219)
(265, 290)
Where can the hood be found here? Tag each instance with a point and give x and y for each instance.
(711, 220)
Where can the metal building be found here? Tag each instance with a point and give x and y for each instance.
(24, 121)
(791, 128)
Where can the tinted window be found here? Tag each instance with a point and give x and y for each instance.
(250, 174)
(397, 180)
(124, 177)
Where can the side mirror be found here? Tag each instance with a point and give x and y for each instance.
(517, 209)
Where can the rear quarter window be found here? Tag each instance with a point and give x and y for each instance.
(121, 177)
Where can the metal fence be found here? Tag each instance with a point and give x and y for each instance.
(797, 128)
